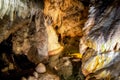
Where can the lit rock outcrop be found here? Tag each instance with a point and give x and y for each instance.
(68, 16)
(100, 44)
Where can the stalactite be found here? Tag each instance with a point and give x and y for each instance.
(13, 7)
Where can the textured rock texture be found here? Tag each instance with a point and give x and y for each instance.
(68, 16)
(38, 29)
(101, 42)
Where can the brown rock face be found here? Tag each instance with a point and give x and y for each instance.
(68, 16)
(32, 40)
(24, 21)
(101, 43)
(40, 33)
(30, 36)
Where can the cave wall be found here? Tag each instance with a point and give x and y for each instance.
(40, 28)
(100, 43)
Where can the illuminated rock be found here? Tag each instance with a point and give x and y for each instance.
(100, 42)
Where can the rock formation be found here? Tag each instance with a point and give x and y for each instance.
(40, 30)
(100, 43)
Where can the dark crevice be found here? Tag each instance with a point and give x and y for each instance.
(22, 66)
